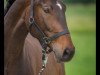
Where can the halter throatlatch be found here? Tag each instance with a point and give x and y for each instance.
(44, 40)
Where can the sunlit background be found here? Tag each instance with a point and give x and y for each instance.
(81, 20)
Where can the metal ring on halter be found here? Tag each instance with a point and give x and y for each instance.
(47, 40)
(31, 20)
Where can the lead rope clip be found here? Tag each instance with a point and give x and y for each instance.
(44, 61)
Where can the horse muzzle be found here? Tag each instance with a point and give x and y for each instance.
(67, 54)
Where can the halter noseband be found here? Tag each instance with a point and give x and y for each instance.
(44, 40)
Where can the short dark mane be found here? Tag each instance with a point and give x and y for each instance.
(8, 5)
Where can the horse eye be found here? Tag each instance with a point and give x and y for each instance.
(46, 10)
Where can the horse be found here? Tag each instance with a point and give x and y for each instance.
(50, 18)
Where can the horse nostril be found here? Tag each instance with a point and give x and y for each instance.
(68, 54)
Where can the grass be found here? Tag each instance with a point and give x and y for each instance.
(81, 22)
(81, 17)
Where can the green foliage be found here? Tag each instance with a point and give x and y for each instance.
(79, 1)
(5, 3)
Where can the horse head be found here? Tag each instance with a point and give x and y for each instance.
(49, 15)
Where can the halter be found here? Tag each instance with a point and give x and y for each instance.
(44, 40)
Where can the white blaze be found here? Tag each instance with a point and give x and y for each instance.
(59, 5)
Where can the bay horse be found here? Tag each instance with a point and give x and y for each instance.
(50, 18)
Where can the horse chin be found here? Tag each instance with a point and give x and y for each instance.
(62, 55)
(57, 56)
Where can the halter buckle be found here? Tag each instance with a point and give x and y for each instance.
(46, 40)
(31, 20)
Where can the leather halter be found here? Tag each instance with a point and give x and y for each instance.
(44, 40)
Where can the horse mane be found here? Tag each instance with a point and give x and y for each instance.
(8, 5)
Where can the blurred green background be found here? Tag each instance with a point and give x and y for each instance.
(81, 20)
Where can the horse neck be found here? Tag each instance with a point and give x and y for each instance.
(15, 32)
(13, 16)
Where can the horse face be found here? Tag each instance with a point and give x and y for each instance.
(50, 16)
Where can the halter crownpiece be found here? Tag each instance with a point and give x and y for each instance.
(45, 40)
